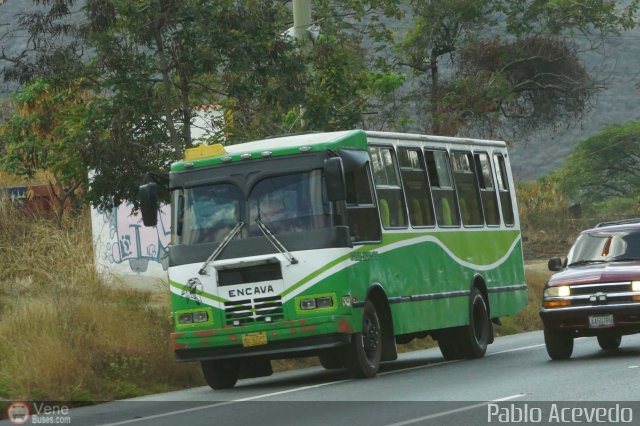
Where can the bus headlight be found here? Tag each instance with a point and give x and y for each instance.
(194, 317)
(323, 302)
(306, 304)
(635, 286)
(200, 316)
(185, 318)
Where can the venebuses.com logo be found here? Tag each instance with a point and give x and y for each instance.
(38, 412)
(18, 413)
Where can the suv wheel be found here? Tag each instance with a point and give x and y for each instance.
(609, 342)
(559, 344)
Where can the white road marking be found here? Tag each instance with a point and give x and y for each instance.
(419, 367)
(515, 349)
(526, 347)
(220, 404)
(251, 398)
(457, 410)
(302, 388)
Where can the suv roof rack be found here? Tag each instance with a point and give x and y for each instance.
(618, 222)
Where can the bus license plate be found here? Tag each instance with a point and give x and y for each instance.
(600, 321)
(254, 339)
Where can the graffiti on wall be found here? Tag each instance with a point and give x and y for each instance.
(130, 241)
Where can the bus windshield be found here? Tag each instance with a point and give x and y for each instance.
(286, 203)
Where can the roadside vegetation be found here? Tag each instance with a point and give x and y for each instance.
(64, 334)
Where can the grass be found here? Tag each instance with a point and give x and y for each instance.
(66, 335)
(528, 319)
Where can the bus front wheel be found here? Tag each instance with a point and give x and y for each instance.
(362, 356)
(220, 374)
(330, 360)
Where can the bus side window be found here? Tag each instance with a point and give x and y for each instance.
(487, 189)
(444, 194)
(416, 187)
(503, 189)
(362, 214)
(463, 173)
(387, 181)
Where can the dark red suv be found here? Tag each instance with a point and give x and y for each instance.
(596, 291)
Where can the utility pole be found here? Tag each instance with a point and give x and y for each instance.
(301, 23)
(301, 20)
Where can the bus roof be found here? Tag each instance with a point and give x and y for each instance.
(412, 137)
(295, 144)
(279, 146)
(294, 141)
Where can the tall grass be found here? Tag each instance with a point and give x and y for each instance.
(66, 335)
(528, 319)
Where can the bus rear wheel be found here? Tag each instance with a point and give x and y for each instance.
(475, 337)
(220, 374)
(362, 356)
(449, 345)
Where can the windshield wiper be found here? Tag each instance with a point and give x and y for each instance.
(586, 262)
(276, 243)
(227, 239)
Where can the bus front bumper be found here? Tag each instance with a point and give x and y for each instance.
(284, 339)
(303, 346)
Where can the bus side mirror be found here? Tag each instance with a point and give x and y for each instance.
(149, 203)
(555, 264)
(334, 176)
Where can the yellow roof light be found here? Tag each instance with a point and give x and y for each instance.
(204, 151)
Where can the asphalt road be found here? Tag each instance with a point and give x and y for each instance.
(515, 381)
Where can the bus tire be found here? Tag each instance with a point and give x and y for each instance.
(559, 344)
(220, 374)
(475, 337)
(609, 342)
(448, 344)
(330, 360)
(362, 356)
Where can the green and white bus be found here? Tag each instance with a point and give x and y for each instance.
(339, 245)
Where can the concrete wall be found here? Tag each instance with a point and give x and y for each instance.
(127, 252)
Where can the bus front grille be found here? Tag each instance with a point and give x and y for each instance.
(247, 311)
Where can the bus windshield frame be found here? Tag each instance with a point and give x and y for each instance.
(285, 202)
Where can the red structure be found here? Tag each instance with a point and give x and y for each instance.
(35, 199)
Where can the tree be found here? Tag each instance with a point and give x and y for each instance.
(605, 165)
(347, 82)
(512, 65)
(45, 134)
(147, 64)
(53, 47)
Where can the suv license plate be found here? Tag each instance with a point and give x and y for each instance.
(254, 339)
(601, 321)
